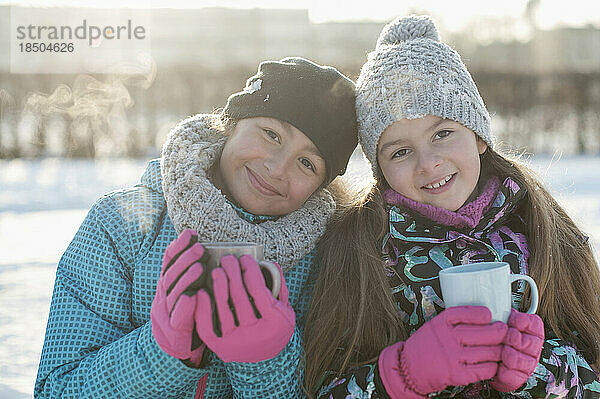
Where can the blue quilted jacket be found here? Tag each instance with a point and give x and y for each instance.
(99, 341)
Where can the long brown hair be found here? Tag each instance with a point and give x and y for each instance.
(352, 315)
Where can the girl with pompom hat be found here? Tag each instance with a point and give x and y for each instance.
(444, 196)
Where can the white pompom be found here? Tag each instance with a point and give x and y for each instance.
(408, 28)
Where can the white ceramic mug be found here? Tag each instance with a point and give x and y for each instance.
(484, 284)
(216, 250)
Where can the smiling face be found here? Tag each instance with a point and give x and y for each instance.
(431, 160)
(269, 167)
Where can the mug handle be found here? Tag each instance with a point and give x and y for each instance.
(273, 273)
(534, 290)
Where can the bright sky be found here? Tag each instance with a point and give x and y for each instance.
(452, 14)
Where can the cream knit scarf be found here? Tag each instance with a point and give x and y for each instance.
(192, 147)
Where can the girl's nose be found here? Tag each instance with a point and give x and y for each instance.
(428, 161)
(277, 163)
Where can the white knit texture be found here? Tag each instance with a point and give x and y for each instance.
(411, 74)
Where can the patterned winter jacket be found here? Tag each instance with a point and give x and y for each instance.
(423, 240)
(99, 341)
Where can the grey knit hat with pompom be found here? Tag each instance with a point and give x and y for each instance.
(411, 74)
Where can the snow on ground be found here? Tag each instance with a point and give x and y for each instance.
(42, 203)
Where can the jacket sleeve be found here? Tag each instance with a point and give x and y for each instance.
(91, 347)
(279, 377)
(360, 382)
(561, 373)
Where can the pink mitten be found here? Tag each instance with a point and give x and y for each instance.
(172, 313)
(253, 336)
(521, 353)
(457, 347)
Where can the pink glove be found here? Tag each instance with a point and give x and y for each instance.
(457, 347)
(251, 337)
(521, 353)
(172, 313)
(389, 372)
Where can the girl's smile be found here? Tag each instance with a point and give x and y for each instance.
(440, 186)
(261, 185)
(431, 160)
(269, 167)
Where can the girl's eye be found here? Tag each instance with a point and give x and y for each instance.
(272, 135)
(442, 134)
(306, 162)
(400, 153)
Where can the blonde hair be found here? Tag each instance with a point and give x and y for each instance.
(352, 315)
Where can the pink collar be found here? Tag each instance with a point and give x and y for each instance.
(468, 215)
